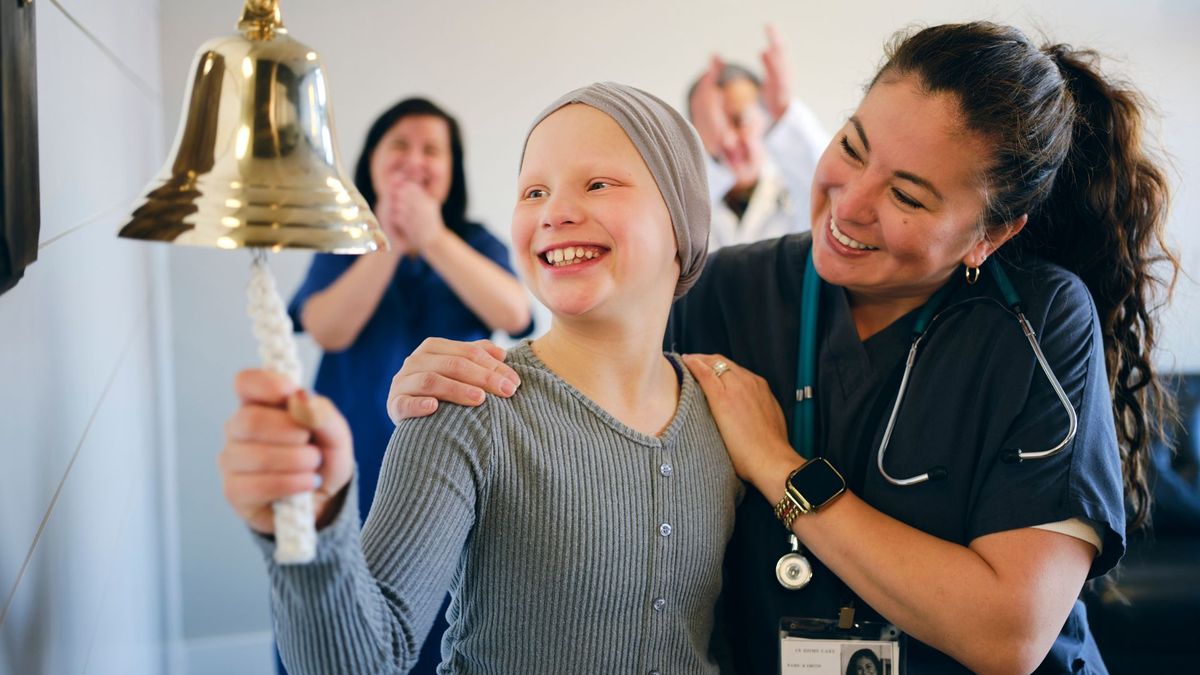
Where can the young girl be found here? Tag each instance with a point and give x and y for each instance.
(581, 524)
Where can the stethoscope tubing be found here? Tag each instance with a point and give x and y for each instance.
(887, 432)
(803, 414)
(1011, 456)
(1073, 418)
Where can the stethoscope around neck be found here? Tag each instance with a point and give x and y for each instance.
(804, 412)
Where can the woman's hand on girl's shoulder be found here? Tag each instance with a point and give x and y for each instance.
(450, 371)
(282, 442)
(747, 414)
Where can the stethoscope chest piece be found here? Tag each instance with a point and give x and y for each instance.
(793, 570)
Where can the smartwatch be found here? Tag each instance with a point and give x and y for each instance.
(809, 488)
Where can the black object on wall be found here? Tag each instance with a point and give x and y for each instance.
(20, 214)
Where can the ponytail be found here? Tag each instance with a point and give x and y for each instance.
(1069, 152)
(1105, 221)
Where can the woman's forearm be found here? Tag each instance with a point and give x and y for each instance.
(335, 316)
(995, 606)
(487, 289)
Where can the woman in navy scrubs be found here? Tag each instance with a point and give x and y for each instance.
(444, 276)
(971, 143)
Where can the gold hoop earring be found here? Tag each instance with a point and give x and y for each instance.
(972, 274)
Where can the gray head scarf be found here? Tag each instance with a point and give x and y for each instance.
(672, 151)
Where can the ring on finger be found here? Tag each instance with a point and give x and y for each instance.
(720, 368)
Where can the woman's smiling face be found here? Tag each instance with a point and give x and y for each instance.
(898, 195)
(417, 149)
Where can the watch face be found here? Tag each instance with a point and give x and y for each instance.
(818, 482)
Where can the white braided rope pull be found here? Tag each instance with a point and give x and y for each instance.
(295, 531)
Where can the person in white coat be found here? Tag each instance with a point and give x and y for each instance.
(763, 147)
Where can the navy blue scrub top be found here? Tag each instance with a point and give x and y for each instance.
(975, 390)
(416, 304)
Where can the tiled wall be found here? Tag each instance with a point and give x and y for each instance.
(88, 562)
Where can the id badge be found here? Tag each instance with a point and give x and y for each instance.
(820, 647)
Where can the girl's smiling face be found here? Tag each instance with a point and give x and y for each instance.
(591, 232)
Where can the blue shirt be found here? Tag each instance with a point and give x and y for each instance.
(417, 304)
(975, 391)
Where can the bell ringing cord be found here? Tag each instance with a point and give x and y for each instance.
(295, 532)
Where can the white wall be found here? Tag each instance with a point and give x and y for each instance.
(87, 580)
(495, 64)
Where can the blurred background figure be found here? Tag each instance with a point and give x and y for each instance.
(764, 146)
(443, 277)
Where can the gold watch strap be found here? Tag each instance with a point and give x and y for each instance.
(787, 510)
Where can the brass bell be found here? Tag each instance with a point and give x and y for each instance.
(255, 163)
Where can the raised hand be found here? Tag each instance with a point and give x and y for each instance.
(776, 90)
(708, 113)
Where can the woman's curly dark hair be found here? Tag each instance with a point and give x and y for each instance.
(1069, 152)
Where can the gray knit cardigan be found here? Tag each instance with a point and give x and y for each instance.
(570, 543)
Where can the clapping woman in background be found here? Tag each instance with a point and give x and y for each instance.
(442, 277)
